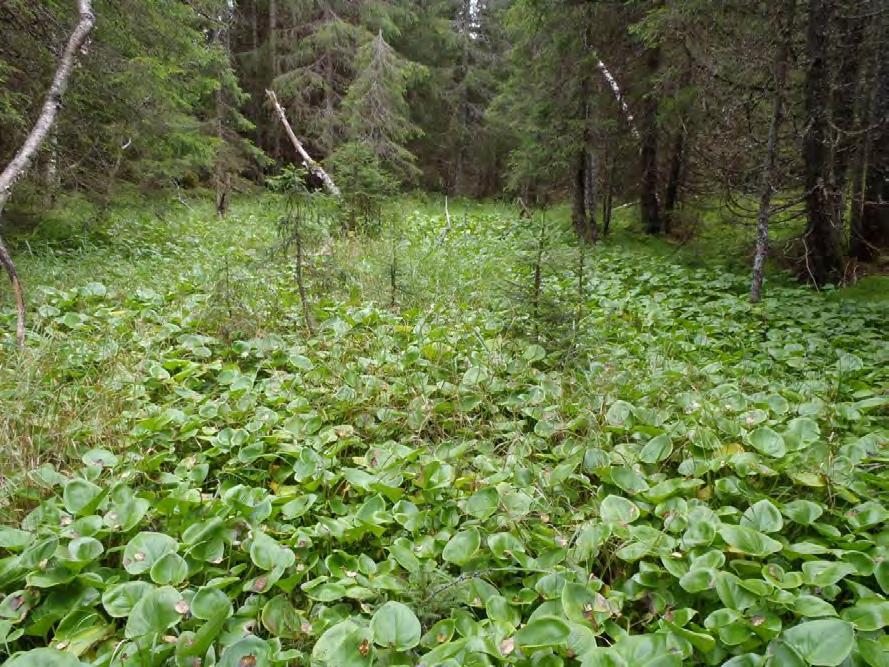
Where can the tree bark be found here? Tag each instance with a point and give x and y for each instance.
(782, 64)
(649, 204)
(619, 97)
(310, 164)
(823, 258)
(590, 184)
(870, 233)
(847, 89)
(578, 209)
(221, 177)
(22, 159)
(674, 178)
(273, 63)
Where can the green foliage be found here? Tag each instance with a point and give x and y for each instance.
(142, 104)
(365, 185)
(375, 108)
(696, 480)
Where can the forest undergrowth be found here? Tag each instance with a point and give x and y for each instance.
(495, 447)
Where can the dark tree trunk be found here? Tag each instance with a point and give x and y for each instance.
(578, 209)
(870, 231)
(273, 67)
(782, 64)
(823, 258)
(256, 101)
(590, 184)
(674, 179)
(463, 104)
(607, 189)
(222, 179)
(649, 204)
(847, 90)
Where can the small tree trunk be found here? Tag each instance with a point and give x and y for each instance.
(674, 179)
(273, 64)
(823, 257)
(608, 193)
(22, 159)
(782, 63)
(256, 99)
(847, 89)
(538, 276)
(579, 209)
(222, 177)
(650, 207)
(870, 237)
(581, 284)
(590, 183)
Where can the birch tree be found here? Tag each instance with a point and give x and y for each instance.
(42, 127)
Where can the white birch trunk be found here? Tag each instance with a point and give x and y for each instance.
(22, 159)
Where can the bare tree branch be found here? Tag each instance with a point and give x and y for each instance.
(310, 164)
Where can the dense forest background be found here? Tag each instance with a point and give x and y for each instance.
(764, 111)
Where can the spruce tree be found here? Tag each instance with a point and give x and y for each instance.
(375, 110)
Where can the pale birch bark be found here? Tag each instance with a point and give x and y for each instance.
(22, 159)
(310, 164)
(619, 96)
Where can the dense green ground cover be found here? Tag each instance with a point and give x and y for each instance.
(651, 471)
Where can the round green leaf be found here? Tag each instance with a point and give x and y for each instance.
(169, 569)
(483, 503)
(342, 645)
(804, 512)
(578, 601)
(763, 516)
(462, 547)
(619, 413)
(120, 599)
(145, 549)
(157, 610)
(44, 657)
(80, 496)
(823, 573)
(100, 458)
(868, 615)
(657, 449)
(247, 652)
(281, 618)
(14, 539)
(126, 515)
(266, 553)
(618, 510)
(394, 625)
(85, 549)
(543, 631)
(812, 607)
(745, 540)
(210, 603)
(824, 643)
(767, 441)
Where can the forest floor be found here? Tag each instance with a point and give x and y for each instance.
(621, 463)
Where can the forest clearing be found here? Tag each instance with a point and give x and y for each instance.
(451, 333)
